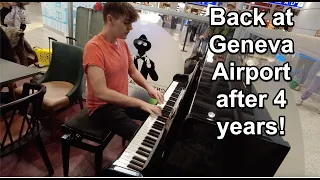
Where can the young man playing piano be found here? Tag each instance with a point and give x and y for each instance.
(107, 64)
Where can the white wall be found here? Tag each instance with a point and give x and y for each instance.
(55, 14)
(308, 20)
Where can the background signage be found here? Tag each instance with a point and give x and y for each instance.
(291, 4)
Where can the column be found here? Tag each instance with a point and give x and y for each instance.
(307, 22)
(70, 21)
(173, 5)
(240, 6)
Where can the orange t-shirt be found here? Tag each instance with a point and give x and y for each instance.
(115, 60)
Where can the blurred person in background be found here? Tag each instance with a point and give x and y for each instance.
(224, 30)
(5, 8)
(315, 84)
(201, 42)
(98, 6)
(14, 14)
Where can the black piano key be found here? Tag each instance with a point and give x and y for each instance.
(167, 108)
(151, 138)
(159, 124)
(162, 119)
(170, 103)
(137, 163)
(173, 99)
(152, 134)
(144, 150)
(153, 131)
(142, 153)
(157, 127)
(132, 166)
(139, 159)
(149, 141)
(175, 95)
(178, 88)
(165, 114)
(147, 144)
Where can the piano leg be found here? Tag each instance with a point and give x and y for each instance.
(98, 162)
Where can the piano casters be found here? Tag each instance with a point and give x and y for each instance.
(148, 68)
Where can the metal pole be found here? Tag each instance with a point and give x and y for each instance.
(70, 21)
(185, 39)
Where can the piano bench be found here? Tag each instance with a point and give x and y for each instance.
(81, 127)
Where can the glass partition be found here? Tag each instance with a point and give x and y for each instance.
(304, 62)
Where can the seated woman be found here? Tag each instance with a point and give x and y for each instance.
(7, 53)
(25, 55)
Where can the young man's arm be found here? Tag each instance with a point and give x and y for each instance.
(101, 91)
(93, 67)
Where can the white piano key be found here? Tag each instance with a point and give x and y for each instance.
(137, 146)
(124, 161)
(131, 153)
(136, 142)
(139, 143)
(134, 150)
(129, 158)
(141, 140)
(120, 163)
(148, 128)
(143, 136)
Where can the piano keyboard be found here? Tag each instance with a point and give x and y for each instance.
(141, 148)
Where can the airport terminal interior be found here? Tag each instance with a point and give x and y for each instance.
(173, 35)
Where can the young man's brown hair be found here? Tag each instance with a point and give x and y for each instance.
(117, 9)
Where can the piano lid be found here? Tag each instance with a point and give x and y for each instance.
(203, 107)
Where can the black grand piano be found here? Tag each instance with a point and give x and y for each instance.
(183, 141)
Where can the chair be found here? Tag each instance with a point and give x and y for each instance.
(81, 127)
(20, 123)
(63, 80)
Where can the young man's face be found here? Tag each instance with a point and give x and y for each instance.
(121, 26)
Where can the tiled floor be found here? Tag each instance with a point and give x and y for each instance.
(28, 162)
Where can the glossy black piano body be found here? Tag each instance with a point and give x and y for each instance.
(198, 152)
(190, 146)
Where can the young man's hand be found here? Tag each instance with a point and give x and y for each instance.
(156, 94)
(150, 108)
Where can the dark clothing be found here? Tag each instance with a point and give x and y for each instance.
(6, 51)
(202, 28)
(193, 33)
(192, 27)
(3, 12)
(119, 120)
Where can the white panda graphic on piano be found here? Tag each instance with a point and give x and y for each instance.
(147, 67)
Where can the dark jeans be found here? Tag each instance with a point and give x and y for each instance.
(119, 120)
(193, 31)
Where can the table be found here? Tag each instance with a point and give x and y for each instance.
(11, 72)
(43, 70)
